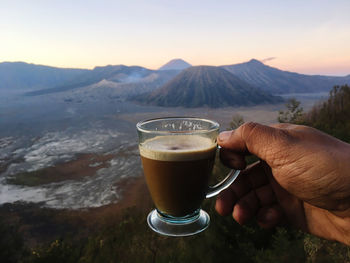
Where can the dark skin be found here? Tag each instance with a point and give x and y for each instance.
(302, 179)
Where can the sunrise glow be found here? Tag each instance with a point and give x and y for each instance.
(304, 36)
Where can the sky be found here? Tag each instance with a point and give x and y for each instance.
(305, 36)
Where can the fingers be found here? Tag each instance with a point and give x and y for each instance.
(265, 195)
(254, 138)
(224, 202)
(243, 139)
(246, 208)
(251, 203)
(271, 216)
(251, 195)
(251, 179)
(229, 197)
(232, 159)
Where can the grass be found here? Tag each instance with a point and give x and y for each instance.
(29, 233)
(128, 239)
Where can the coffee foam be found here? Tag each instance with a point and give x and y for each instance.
(177, 148)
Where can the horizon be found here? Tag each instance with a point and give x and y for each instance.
(117, 64)
(305, 37)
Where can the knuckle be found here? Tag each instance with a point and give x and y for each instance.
(247, 127)
(250, 130)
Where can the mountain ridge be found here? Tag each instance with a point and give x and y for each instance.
(36, 79)
(115, 73)
(279, 81)
(28, 76)
(206, 86)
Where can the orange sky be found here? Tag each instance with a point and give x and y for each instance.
(304, 36)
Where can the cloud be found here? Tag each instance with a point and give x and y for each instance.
(267, 59)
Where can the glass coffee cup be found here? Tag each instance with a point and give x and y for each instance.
(178, 155)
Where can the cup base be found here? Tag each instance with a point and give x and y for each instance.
(165, 227)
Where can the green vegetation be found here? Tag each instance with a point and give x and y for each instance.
(130, 240)
(293, 112)
(237, 120)
(12, 247)
(127, 238)
(333, 115)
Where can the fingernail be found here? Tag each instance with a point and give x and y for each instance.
(224, 136)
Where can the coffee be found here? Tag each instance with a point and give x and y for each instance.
(177, 170)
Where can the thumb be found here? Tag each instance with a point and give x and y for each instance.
(252, 138)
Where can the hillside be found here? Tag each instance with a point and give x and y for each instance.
(35, 80)
(333, 115)
(112, 91)
(206, 86)
(278, 81)
(118, 74)
(25, 77)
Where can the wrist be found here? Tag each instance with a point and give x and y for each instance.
(326, 224)
(342, 225)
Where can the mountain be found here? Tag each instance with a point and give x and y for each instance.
(123, 81)
(206, 86)
(111, 91)
(278, 81)
(109, 83)
(175, 64)
(118, 74)
(23, 76)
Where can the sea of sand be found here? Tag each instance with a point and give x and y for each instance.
(77, 160)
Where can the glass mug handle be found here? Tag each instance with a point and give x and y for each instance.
(218, 188)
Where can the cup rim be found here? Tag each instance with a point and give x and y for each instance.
(215, 126)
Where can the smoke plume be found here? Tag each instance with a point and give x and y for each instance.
(267, 59)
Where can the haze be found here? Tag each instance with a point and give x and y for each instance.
(309, 37)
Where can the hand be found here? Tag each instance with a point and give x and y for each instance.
(302, 178)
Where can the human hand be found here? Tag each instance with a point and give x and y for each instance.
(302, 178)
